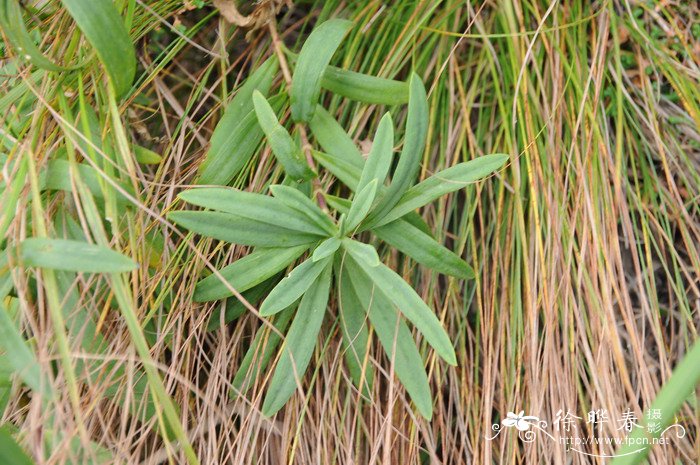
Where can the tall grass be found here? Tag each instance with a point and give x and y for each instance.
(585, 246)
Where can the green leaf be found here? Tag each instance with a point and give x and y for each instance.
(238, 134)
(283, 146)
(338, 146)
(14, 28)
(424, 249)
(413, 147)
(239, 230)
(311, 65)
(300, 203)
(10, 452)
(669, 400)
(258, 207)
(326, 248)
(348, 173)
(232, 308)
(380, 156)
(364, 87)
(247, 272)
(260, 352)
(146, 156)
(58, 176)
(414, 309)
(299, 343)
(443, 182)
(68, 255)
(352, 316)
(293, 286)
(101, 24)
(360, 207)
(364, 254)
(395, 337)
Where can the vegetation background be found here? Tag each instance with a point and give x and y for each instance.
(586, 244)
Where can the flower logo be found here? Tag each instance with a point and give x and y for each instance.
(520, 421)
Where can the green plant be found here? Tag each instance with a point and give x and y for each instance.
(284, 226)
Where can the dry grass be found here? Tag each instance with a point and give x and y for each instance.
(586, 245)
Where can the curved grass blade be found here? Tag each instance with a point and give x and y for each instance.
(423, 249)
(443, 182)
(238, 134)
(262, 208)
(104, 28)
(284, 148)
(68, 255)
(364, 87)
(413, 147)
(299, 343)
(395, 337)
(247, 272)
(311, 65)
(294, 199)
(239, 230)
(293, 286)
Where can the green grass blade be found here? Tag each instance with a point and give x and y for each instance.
(104, 28)
(68, 255)
(299, 343)
(311, 65)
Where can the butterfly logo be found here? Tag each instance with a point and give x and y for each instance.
(520, 421)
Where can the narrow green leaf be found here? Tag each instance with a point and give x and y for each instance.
(361, 205)
(104, 28)
(414, 309)
(364, 87)
(258, 207)
(283, 146)
(413, 147)
(326, 248)
(238, 134)
(68, 255)
(294, 199)
(14, 28)
(352, 316)
(233, 308)
(293, 286)
(247, 272)
(348, 173)
(10, 452)
(146, 156)
(443, 182)
(239, 230)
(337, 144)
(364, 254)
(311, 65)
(423, 249)
(380, 155)
(299, 343)
(396, 339)
(57, 176)
(260, 352)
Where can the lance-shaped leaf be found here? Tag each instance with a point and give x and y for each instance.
(238, 134)
(68, 255)
(410, 240)
(339, 148)
(413, 147)
(262, 208)
(379, 159)
(300, 203)
(395, 337)
(239, 230)
(311, 65)
(293, 286)
(354, 325)
(260, 352)
(247, 272)
(326, 249)
(10, 452)
(364, 254)
(299, 343)
(444, 182)
(414, 309)
(104, 28)
(364, 87)
(361, 205)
